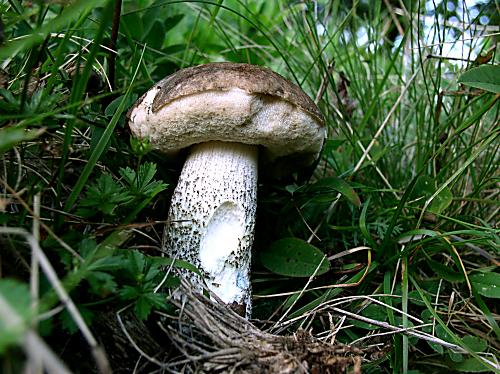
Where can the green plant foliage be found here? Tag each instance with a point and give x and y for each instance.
(70, 13)
(412, 151)
(104, 196)
(325, 186)
(475, 343)
(295, 258)
(11, 136)
(15, 312)
(141, 184)
(107, 194)
(485, 77)
(425, 188)
(142, 275)
(445, 272)
(68, 322)
(470, 365)
(487, 284)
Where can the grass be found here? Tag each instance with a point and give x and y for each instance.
(404, 202)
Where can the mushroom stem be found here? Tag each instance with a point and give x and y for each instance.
(212, 218)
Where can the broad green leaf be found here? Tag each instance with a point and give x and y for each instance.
(132, 24)
(129, 293)
(146, 302)
(441, 201)
(437, 331)
(425, 188)
(471, 365)
(487, 284)
(339, 185)
(414, 298)
(475, 343)
(157, 300)
(11, 136)
(15, 299)
(295, 258)
(155, 35)
(455, 357)
(485, 77)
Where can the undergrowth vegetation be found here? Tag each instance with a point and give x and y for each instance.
(391, 246)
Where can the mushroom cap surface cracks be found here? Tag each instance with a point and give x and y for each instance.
(234, 103)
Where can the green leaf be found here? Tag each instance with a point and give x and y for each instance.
(135, 264)
(132, 24)
(475, 343)
(295, 258)
(129, 293)
(146, 302)
(445, 272)
(140, 146)
(69, 324)
(339, 185)
(157, 300)
(111, 108)
(142, 307)
(102, 284)
(471, 365)
(487, 284)
(155, 35)
(11, 136)
(167, 261)
(485, 77)
(142, 183)
(441, 201)
(103, 196)
(15, 299)
(414, 297)
(437, 330)
(425, 188)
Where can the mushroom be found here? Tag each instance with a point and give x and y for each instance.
(232, 117)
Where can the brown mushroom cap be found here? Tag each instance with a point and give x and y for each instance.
(234, 103)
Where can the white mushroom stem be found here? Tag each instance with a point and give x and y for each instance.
(212, 218)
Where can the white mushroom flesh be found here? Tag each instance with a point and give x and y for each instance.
(212, 218)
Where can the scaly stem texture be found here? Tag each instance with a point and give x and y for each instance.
(212, 218)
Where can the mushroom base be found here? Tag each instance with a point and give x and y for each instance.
(212, 219)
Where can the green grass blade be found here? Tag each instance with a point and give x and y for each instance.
(101, 146)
